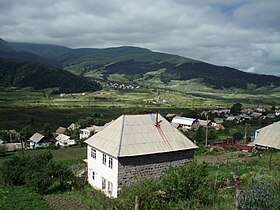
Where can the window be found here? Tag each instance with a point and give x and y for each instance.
(110, 187)
(93, 153)
(93, 175)
(104, 159)
(110, 162)
(103, 184)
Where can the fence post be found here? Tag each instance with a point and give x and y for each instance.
(237, 185)
(137, 202)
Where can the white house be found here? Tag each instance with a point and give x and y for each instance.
(73, 126)
(134, 146)
(268, 136)
(86, 132)
(185, 123)
(64, 140)
(38, 140)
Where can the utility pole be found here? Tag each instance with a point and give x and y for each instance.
(206, 133)
(245, 135)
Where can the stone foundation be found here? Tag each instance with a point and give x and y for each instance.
(131, 168)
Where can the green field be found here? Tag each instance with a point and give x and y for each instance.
(19, 107)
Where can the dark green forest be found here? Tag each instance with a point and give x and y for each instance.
(32, 74)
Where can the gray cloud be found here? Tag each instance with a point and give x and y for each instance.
(243, 34)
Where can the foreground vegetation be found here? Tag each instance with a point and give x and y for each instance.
(198, 185)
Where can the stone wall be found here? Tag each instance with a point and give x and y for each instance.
(131, 168)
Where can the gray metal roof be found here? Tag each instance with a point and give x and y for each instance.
(183, 120)
(36, 137)
(132, 135)
(62, 137)
(269, 136)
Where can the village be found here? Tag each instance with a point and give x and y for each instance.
(146, 145)
(214, 118)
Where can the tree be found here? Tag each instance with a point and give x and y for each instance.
(237, 136)
(236, 109)
(272, 109)
(199, 134)
(3, 149)
(47, 131)
(26, 132)
(39, 173)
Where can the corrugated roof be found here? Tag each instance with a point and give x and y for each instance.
(60, 130)
(36, 137)
(132, 135)
(183, 120)
(269, 136)
(62, 137)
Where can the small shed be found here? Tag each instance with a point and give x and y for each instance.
(218, 120)
(185, 123)
(38, 140)
(256, 115)
(205, 123)
(73, 126)
(64, 141)
(60, 130)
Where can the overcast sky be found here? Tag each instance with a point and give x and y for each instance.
(243, 34)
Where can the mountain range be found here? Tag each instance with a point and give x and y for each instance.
(130, 64)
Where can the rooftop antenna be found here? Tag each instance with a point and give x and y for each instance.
(157, 122)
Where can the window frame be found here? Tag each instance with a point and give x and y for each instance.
(104, 159)
(103, 187)
(110, 162)
(110, 187)
(93, 153)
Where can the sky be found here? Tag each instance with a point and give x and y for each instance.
(243, 34)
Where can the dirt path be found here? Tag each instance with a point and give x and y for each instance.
(60, 202)
(215, 159)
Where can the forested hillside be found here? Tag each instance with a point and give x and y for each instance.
(31, 74)
(134, 64)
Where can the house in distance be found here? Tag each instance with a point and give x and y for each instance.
(134, 146)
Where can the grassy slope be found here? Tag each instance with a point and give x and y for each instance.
(43, 50)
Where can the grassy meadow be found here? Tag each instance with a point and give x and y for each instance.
(19, 107)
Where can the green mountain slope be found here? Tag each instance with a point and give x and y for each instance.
(44, 50)
(133, 64)
(12, 52)
(118, 54)
(5, 46)
(30, 74)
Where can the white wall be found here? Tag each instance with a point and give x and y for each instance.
(84, 133)
(101, 170)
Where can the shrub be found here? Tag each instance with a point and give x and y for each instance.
(261, 195)
(187, 183)
(39, 173)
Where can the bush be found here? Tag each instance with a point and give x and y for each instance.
(187, 183)
(261, 195)
(178, 188)
(3, 150)
(39, 173)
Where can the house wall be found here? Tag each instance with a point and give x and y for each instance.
(101, 170)
(84, 133)
(149, 165)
